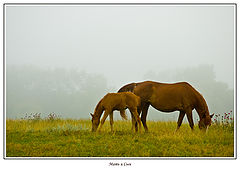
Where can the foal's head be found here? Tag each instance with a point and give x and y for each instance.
(95, 122)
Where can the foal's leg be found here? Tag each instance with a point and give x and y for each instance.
(106, 113)
(190, 119)
(180, 119)
(134, 123)
(137, 118)
(111, 120)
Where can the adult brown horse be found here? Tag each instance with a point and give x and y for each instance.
(116, 101)
(168, 98)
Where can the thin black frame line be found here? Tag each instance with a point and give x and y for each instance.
(120, 158)
(235, 81)
(4, 101)
(180, 4)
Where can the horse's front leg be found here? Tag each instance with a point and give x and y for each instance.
(190, 119)
(180, 119)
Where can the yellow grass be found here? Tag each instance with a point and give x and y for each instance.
(73, 138)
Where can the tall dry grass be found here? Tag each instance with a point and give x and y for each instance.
(73, 138)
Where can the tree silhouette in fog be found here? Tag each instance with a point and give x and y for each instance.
(69, 93)
(219, 96)
(74, 94)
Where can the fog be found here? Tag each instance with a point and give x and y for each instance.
(64, 59)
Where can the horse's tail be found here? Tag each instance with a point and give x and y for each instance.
(127, 88)
(123, 115)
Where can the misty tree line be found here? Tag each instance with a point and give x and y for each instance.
(219, 97)
(74, 94)
(68, 93)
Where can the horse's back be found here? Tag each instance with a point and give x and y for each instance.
(110, 100)
(120, 95)
(131, 99)
(121, 100)
(127, 88)
(167, 96)
(149, 87)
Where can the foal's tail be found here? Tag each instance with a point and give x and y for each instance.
(123, 115)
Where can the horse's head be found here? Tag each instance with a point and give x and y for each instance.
(95, 122)
(205, 122)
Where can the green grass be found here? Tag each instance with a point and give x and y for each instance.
(73, 138)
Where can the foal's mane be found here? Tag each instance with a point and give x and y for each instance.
(98, 108)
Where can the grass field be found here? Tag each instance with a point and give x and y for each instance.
(73, 138)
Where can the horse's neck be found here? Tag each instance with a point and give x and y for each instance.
(201, 107)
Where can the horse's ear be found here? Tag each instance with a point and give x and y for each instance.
(91, 114)
(212, 115)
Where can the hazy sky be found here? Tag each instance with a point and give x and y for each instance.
(122, 42)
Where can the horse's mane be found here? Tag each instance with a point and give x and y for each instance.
(204, 104)
(201, 102)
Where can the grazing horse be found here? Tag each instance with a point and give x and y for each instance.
(168, 98)
(116, 101)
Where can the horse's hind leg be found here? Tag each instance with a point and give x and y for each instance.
(144, 115)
